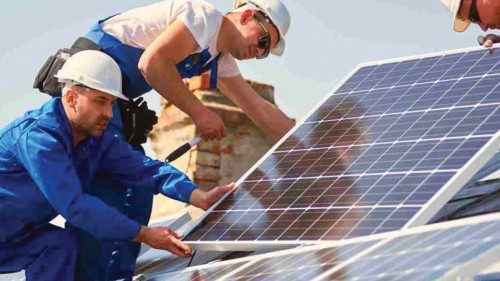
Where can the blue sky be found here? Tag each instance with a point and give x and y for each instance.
(326, 41)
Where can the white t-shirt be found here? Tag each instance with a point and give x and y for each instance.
(140, 26)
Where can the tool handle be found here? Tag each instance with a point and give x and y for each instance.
(178, 152)
(183, 149)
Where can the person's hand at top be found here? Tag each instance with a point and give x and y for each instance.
(488, 40)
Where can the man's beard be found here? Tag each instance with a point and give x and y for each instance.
(91, 128)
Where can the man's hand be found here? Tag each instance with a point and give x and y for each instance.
(205, 199)
(488, 40)
(163, 238)
(209, 124)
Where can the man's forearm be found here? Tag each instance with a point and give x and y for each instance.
(198, 199)
(165, 79)
(267, 116)
(273, 121)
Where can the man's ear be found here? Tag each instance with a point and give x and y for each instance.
(70, 97)
(246, 16)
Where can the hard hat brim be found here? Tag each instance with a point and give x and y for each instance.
(279, 49)
(460, 25)
(115, 93)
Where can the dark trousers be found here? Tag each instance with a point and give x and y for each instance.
(49, 253)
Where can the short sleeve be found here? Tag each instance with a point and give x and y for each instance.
(202, 20)
(228, 66)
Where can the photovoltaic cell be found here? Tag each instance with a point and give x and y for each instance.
(370, 156)
(421, 253)
(424, 256)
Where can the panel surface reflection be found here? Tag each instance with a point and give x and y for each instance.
(370, 156)
(425, 256)
(422, 253)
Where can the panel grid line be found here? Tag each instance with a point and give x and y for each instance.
(367, 161)
(387, 142)
(407, 112)
(416, 83)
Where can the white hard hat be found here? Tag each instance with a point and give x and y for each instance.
(95, 70)
(459, 24)
(279, 15)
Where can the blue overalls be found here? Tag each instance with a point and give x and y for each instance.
(42, 174)
(108, 260)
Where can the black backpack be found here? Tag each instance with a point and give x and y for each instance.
(45, 81)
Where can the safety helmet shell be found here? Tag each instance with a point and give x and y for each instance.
(459, 24)
(95, 70)
(279, 15)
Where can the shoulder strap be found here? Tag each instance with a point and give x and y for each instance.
(213, 65)
(83, 43)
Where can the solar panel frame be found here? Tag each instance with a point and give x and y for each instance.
(203, 272)
(458, 180)
(453, 186)
(243, 263)
(360, 248)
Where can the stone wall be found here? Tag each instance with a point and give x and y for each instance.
(210, 163)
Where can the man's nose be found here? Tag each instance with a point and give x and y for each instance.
(108, 112)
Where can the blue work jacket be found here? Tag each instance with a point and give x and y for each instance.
(42, 175)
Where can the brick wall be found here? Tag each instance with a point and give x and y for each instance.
(210, 163)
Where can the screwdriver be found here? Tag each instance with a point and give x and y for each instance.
(183, 149)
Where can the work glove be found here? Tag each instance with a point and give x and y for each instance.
(488, 40)
(137, 121)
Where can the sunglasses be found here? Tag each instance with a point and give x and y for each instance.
(264, 41)
(473, 13)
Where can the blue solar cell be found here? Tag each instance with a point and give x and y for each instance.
(423, 253)
(382, 145)
(423, 256)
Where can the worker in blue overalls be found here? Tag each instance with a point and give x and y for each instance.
(48, 159)
(156, 46)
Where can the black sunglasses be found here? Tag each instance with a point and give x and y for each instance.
(264, 41)
(473, 13)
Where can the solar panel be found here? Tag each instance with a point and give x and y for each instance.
(385, 150)
(295, 264)
(456, 253)
(453, 250)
